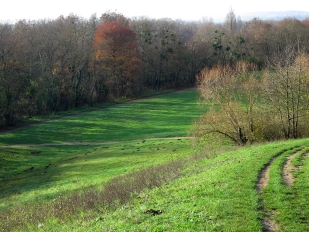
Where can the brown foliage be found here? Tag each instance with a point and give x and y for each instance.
(286, 88)
(116, 56)
(246, 108)
(222, 86)
(52, 65)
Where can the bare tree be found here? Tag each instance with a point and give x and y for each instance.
(286, 84)
(231, 21)
(222, 86)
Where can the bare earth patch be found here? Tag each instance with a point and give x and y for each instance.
(288, 169)
(268, 224)
(264, 175)
(263, 178)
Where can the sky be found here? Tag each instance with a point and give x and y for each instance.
(12, 10)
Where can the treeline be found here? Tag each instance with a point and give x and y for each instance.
(52, 65)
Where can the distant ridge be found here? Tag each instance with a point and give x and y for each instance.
(275, 15)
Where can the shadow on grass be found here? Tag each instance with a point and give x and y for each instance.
(69, 169)
(116, 191)
(172, 114)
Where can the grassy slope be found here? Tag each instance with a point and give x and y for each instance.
(77, 168)
(30, 174)
(217, 194)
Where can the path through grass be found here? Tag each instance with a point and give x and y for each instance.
(217, 194)
(286, 202)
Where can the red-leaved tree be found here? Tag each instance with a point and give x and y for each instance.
(116, 58)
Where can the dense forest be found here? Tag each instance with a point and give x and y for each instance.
(53, 65)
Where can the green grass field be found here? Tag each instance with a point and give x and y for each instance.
(65, 169)
(207, 192)
(165, 116)
(216, 194)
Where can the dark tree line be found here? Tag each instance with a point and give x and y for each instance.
(52, 65)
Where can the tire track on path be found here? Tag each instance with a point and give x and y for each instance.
(263, 178)
(288, 168)
(262, 183)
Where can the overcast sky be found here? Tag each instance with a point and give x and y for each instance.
(11, 10)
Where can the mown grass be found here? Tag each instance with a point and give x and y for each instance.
(116, 191)
(88, 108)
(165, 116)
(214, 194)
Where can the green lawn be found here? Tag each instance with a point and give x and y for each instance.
(165, 116)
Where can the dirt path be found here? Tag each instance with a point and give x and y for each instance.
(263, 181)
(89, 143)
(288, 169)
(268, 224)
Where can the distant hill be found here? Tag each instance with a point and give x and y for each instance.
(268, 15)
(274, 15)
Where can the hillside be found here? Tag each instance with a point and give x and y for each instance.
(98, 171)
(229, 193)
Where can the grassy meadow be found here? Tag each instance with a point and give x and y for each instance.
(165, 116)
(132, 167)
(37, 163)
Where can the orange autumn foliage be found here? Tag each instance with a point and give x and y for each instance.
(116, 53)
